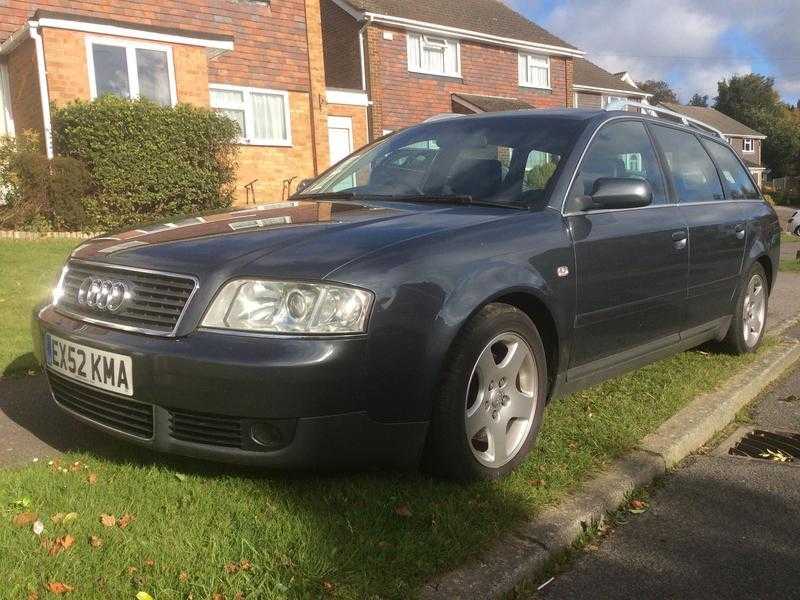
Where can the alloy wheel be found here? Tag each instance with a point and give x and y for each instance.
(501, 400)
(754, 310)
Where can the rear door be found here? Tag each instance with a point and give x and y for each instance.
(631, 264)
(717, 226)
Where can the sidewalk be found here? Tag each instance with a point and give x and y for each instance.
(720, 527)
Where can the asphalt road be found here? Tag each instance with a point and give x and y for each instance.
(718, 527)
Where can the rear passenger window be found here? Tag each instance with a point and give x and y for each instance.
(736, 181)
(694, 175)
(620, 149)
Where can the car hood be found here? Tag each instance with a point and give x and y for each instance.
(302, 239)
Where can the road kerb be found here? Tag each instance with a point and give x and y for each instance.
(521, 554)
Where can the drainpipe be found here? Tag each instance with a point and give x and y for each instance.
(43, 91)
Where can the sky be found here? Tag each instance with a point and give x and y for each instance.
(692, 44)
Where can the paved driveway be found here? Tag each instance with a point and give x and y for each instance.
(32, 426)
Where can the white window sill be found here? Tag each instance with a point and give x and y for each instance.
(536, 87)
(435, 74)
(748, 151)
(275, 143)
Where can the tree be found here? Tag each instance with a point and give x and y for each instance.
(752, 99)
(698, 100)
(660, 90)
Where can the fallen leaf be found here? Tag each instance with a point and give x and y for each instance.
(231, 568)
(57, 518)
(180, 476)
(217, 596)
(149, 562)
(23, 502)
(328, 586)
(95, 542)
(69, 517)
(238, 596)
(132, 570)
(245, 565)
(92, 478)
(402, 510)
(55, 547)
(58, 588)
(108, 520)
(38, 527)
(183, 577)
(34, 595)
(25, 518)
(125, 520)
(790, 398)
(143, 596)
(638, 504)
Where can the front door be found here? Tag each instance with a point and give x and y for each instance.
(717, 226)
(631, 263)
(340, 137)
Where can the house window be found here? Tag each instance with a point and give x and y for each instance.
(534, 71)
(433, 55)
(6, 122)
(613, 99)
(748, 145)
(262, 115)
(131, 70)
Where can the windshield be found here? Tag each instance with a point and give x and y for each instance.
(504, 159)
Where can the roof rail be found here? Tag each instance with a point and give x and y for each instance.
(657, 111)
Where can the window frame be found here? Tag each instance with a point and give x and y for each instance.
(523, 71)
(752, 144)
(7, 118)
(247, 91)
(130, 47)
(423, 39)
(705, 141)
(608, 99)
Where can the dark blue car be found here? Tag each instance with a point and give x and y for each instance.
(421, 301)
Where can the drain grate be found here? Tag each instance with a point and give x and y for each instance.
(778, 447)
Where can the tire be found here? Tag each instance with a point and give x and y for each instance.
(476, 389)
(746, 331)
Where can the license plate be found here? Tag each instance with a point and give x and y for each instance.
(97, 368)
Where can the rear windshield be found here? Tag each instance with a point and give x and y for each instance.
(504, 159)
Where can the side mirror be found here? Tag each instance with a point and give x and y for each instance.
(304, 183)
(617, 192)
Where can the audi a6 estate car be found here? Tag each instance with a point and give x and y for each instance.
(420, 302)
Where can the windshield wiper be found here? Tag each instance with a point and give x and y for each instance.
(328, 196)
(451, 199)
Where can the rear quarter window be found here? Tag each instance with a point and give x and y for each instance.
(735, 179)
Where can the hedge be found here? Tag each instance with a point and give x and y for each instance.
(147, 161)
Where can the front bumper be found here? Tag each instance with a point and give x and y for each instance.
(208, 391)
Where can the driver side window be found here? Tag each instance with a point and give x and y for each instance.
(621, 149)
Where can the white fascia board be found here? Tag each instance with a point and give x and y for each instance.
(348, 97)
(15, 39)
(465, 34)
(591, 88)
(746, 136)
(131, 32)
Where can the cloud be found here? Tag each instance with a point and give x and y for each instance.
(690, 44)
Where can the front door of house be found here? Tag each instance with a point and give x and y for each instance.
(340, 137)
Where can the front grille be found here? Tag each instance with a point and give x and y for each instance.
(154, 304)
(133, 418)
(204, 428)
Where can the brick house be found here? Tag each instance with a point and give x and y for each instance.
(415, 60)
(596, 88)
(745, 141)
(258, 61)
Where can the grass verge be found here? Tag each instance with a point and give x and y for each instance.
(789, 265)
(28, 273)
(204, 529)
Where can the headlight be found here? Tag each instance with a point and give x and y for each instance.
(289, 307)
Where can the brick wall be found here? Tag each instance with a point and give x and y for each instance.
(402, 98)
(342, 52)
(318, 108)
(269, 37)
(26, 104)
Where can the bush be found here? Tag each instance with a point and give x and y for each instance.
(147, 161)
(41, 194)
(539, 175)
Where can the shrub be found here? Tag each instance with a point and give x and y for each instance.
(539, 175)
(147, 161)
(41, 194)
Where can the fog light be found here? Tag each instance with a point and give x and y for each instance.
(267, 435)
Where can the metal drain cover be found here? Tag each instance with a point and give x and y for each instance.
(778, 447)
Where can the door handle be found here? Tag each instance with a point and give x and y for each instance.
(740, 230)
(679, 239)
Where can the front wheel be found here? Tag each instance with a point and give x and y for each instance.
(750, 313)
(491, 398)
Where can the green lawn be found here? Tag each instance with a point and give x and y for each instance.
(28, 271)
(300, 535)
